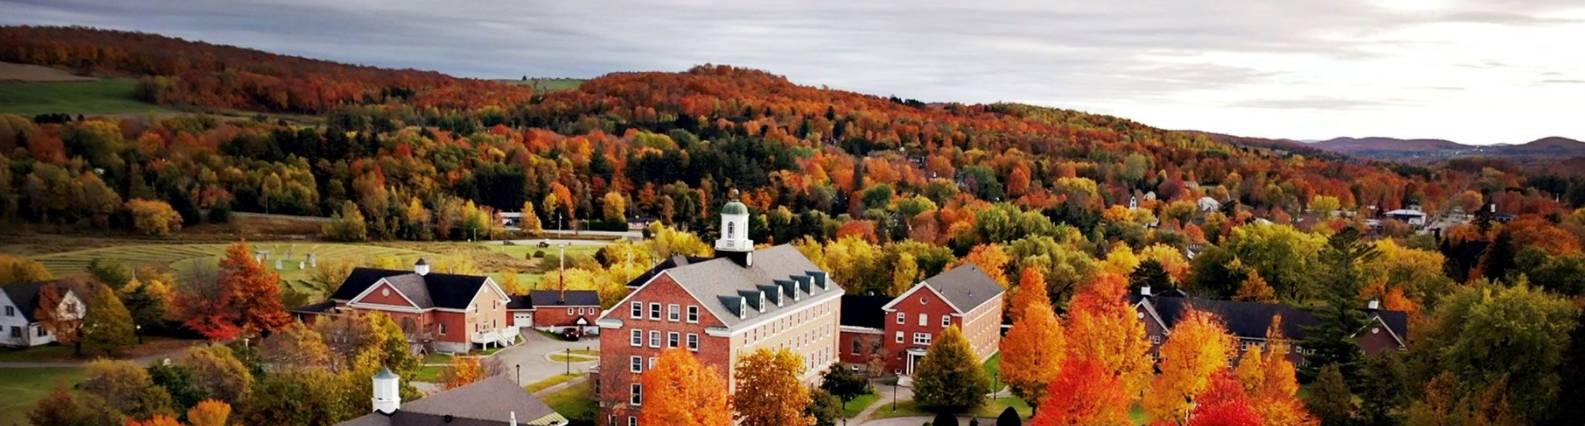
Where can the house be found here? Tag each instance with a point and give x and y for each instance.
(963, 296)
(720, 309)
(491, 401)
(440, 312)
(19, 327)
(1413, 216)
(1247, 321)
(863, 324)
(555, 311)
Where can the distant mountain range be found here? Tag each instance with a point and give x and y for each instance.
(1395, 149)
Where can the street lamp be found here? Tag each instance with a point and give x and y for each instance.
(519, 374)
(138, 329)
(568, 356)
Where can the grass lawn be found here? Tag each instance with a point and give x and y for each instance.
(548, 84)
(1137, 414)
(857, 405)
(23, 387)
(904, 409)
(995, 407)
(574, 359)
(993, 370)
(108, 96)
(46, 353)
(576, 403)
(552, 381)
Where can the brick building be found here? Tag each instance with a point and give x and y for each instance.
(1247, 321)
(722, 308)
(438, 312)
(863, 327)
(555, 310)
(963, 296)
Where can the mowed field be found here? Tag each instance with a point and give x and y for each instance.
(109, 96)
(23, 388)
(186, 259)
(548, 84)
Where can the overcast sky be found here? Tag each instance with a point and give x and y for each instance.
(1488, 71)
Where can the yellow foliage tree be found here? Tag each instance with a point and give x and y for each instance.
(1102, 327)
(1120, 260)
(1255, 289)
(1031, 289)
(904, 275)
(209, 412)
(768, 390)
(1033, 351)
(1197, 349)
(681, 391)
(464, 370)
(992, 260)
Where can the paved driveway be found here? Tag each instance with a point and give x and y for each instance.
(534, 356)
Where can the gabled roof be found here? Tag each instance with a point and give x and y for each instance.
(864, 310)
(543, 298)
(490, 401)
(25, 296)
(432, 290)
(670, 262)
(719, 283)
(519, 302)
(965, 287)
(1251, 319)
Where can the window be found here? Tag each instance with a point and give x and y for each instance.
(924, 319)
(43, 332)
(858, 345)
(654, 311)
(946, 321)
(569, 311)
(693, 342)
(902, 318)
(632, 421)
(637, 396)
(731, 229)
(638, 338)
(16, 332)
(652, 363)
(673, 313)
(899, 337)
(635, 364)
(11, 311)
(693, 313)
(442, 329)
(638, 311)
(921, 338)
(654, 339)
(671, 339)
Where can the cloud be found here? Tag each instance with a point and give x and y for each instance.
(1166, 62)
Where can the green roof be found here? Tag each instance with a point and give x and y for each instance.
(734, 208)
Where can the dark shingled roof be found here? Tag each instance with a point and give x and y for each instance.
(572, 298)
(314, 308)
(864, 310)
(670, 262)
(491, 401)
(520, 302)
(966, 286)
(430, 290)
(719, 283)
(25, 296)
(1251, 319)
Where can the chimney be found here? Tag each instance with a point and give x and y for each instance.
(1144, 290)
(387, 392)
(1374, 304)
(422, 267)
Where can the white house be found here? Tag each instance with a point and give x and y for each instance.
(18, 326)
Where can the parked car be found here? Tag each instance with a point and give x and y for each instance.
(572, 334)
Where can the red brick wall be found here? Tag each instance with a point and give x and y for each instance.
(869, 344)
(556, 315)
(615, 349)
(911, 308)
(456, 323)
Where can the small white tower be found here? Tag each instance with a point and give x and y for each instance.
(422, 267)
(734, 241)
(387, 392)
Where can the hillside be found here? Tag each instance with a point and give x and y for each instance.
(1426, 150)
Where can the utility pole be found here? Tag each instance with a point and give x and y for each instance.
(561, 273)
(568, 356)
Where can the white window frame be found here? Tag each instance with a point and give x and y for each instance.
(693, 342)
(924, 319)
(946, 321)
(858, 345)
(11, 311)
(637, 338)
(654, 339)
(654, 311)
(902, 318)
(442, 328)
(693, 314)
(635, 396)
(922, 338)
(899, 337)
(632, 421)
(637, 312)
(673, 339)
(673, 313)
(635, 364)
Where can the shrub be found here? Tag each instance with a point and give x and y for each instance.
(154, 217)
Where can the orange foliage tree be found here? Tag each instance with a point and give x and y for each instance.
(464, 370)
(992, 260)
(1031, 289)
(1033, 350)
(681, 391)
(209, 412)
(245, 298)
(1223, 403)
(1085, 393)
(1102, 327)
(1197, 349)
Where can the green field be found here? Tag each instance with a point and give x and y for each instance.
(548, 263)
(549, 84)
(109, 96)
(574, 402)
(25, 386)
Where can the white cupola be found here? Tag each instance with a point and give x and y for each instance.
(387, 392)
(734, 241)
(422, 267)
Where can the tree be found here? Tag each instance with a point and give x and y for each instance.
(949, 378)
(614, 206)
(1197, 350)
(296, 347)
(1084, 393)
(1150, 273)
(1031, 289)
(1033, 350)
(530, 221)
(19, 270)
(61, 408)
(768, 390)
(1224, 403)
(63, 321)
(463, 370)
(1329, 397)
(127, 388)
(825, 408)
(148, 299)
(845, 384)
(217, 372)
(1255, 289)
(904, 275)
(296, 397)
(991, 260)
(1485, 334)
(154, 217)
(944, 419)
(1009, 417)
(108, 326)
(346, 225)
(156, 420)
(256, 291)
(1102, 327)
(681, 391)
(1337, 311)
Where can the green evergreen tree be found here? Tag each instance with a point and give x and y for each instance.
(1150, 273)
(824, 407)
(107, 326)
(1329, 398)
(1337, 310)
(949, 379)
